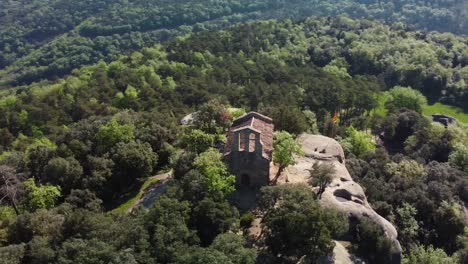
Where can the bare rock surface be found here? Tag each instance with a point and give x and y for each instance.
(342, 194)
(154, 192)
(341, 254)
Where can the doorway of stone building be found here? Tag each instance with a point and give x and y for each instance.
(245, 180)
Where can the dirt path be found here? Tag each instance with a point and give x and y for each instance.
(341, 254)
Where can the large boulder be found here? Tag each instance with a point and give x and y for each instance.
(342, 194)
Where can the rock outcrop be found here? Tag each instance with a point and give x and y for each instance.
(342, 194)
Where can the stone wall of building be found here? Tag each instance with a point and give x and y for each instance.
(246, 160)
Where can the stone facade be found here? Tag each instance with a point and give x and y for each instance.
(248, 149)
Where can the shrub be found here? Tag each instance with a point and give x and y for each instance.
(247, 219)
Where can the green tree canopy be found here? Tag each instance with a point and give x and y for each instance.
(211, 218)
(166, 223)
(198, 141)
(232, 245)
(357, 142)
(42, 196)
(287, 118)
(408, 226)
(133, 160)
(459, 157)
(406, 168)
(297, 226)
(321, 174)
(199, 255)
(213, 117)
(429, 255)
(66, 173)
(405, 97)
(112, 133)
(373, 244)
(217, 175)
(285, 147)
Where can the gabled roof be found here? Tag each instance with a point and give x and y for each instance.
(255, 122)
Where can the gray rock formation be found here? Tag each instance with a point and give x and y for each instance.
(343, 194)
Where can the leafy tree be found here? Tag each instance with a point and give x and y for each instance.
(211, 218)
(166, 223)
(237, 112)
(37, 159)
(128, 99)
(12, 254)
(183, 164)
(11, 187)
(459, 157)
(156, 135)
(41, 223)
(66, 173)
(427, 255)
(210, 164)
(133, 160)
(198, 141)
(406, 168)
(399, 126)
(405, 97)
(449, 226)
(321, 174)
(84, 199)
(408, 227)
(373, 243)
(203, 256)
(287, 118)
(6, 213)
(285, 147)
(233, 247)
(92, 251)
(296, 225)
(213, 117)
(311, 121)
(337, 71)
(112, 133)
(357, 142)
(39, 250)
(247, 219)
(194, 187)
(42, 196)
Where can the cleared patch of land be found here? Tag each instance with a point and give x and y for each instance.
(453, 111)
(428, 110)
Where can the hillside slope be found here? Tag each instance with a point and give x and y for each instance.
(48, 39)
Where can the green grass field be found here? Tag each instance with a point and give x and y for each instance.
(428, 110)
(449, 110)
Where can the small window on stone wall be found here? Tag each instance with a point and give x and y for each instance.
(252, 138)
(241, 142)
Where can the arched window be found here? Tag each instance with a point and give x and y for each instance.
(241, 142)
(252, 138)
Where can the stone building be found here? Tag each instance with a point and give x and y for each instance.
(248, 149)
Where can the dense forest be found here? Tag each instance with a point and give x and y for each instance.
(73, 150)
(48, 39)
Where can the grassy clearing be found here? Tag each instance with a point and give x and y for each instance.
(449, 110)
(123, 208)
(428, 110)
